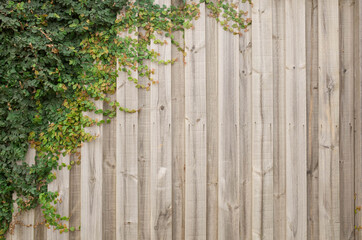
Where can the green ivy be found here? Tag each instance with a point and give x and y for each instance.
(55, 58)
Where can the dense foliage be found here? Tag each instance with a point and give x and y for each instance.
(55, 57)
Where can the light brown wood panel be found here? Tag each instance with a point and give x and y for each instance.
(75, 198)
(195, 131)
(61, 185)
(178, 137)
(109, 177)
(295, 120)
(92, 180)
(346, 152)
(161, 136)
(228, 131)
(245, 78)
(312, 124)
(329, 87)
(262, 119)
(211, 47)
(279, 127)
(358, 115)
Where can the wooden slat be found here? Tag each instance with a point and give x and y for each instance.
(228, 120)
(91, 181)
(75, 198)
(347, 128)
(39, 224)
(358, 114)
(109, 177)
(211, 41)
(61, 185)
(195, 130)
(161, 136)
(24, 229)
(328, 53)
(144, 160)
(178, 137)
(262, 143)
(127, 160)
(296, 146)
(245, 73)
(312, 111)
(279, 174)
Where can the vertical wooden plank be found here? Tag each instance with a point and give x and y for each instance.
(329, 86)
(91, 181)
(296, 152)
(144, 160)
(61, 185)
(245, 103)
(161, 136)
(346, 113)
(279, 174)
(109, 178)
(39, 224)
(228, 120)
(195, 130)
(312, 108)
(358, 115)
(24, 228)
(262, 132)
(75, 198)
(245, 74)
(127, 160)
(178, 137)
(211, 41)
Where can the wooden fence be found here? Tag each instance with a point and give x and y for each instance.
(255, 137)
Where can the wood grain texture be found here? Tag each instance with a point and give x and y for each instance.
(228, 130)
(75, 198)
(144, 160)
(245, 104)
(279, 101)
(195, 131)
(262, 118)
(24, 220)
(312, 124)
(347, 128)
(329, 87)
(92, 180)
(61, 185)
(127, 159)
(211, 45)
(358, 114)
(161, 136)
(178, 137)
(295, 117)
(109, 177)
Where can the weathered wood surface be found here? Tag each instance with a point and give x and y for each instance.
(92, 180)
(346, 112)
(262, 119)
(195, 130)
(211, 58)
(255, 137)
(279, 101)
(178, 137)
(61, 185)
(245, 165)
(328, 119)
(161, 136)
(295, 120)
(312, 124)
(228, 131)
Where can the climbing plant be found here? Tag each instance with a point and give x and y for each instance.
(56, 57)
